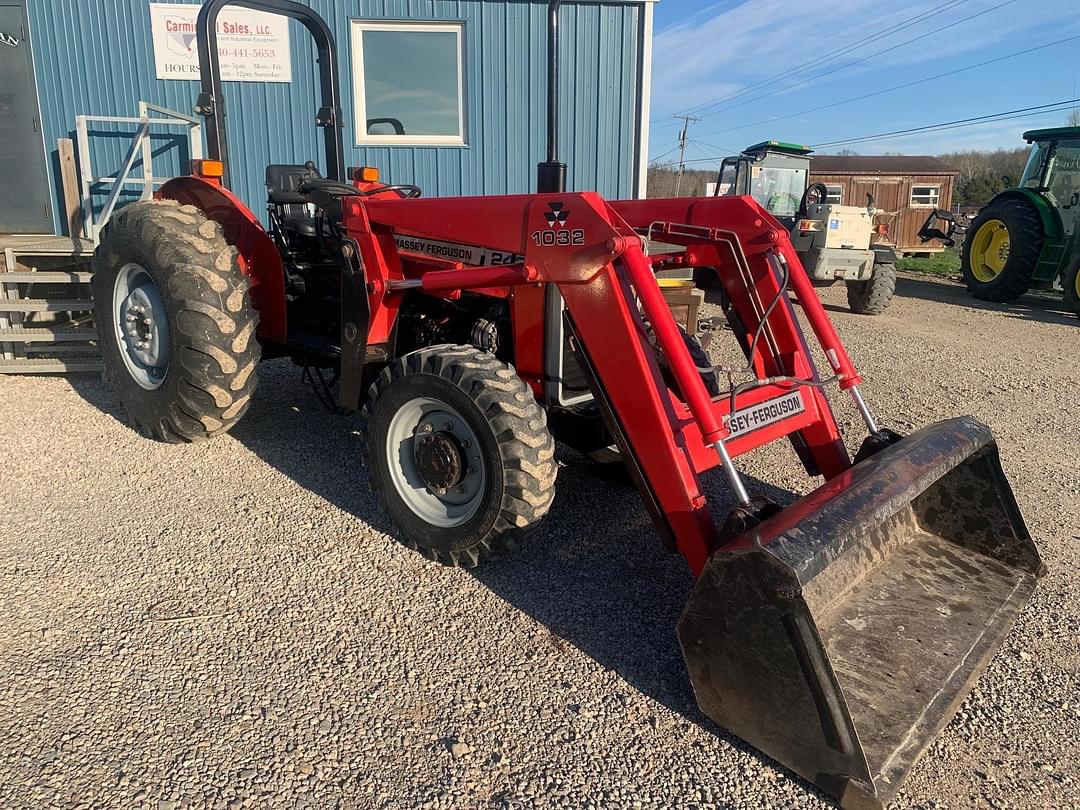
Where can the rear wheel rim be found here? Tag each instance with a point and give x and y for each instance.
(443, 495)
(990, 250)
(141, 325)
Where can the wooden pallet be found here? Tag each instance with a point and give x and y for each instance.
(35, 337)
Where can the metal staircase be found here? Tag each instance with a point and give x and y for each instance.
(46, 325)
(46, 315)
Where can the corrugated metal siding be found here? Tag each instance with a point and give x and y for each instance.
(96, 57)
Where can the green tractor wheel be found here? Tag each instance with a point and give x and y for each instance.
(1070, 280)
(1001, 250)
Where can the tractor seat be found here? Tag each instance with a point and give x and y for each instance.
(283, 192)
(283, 182)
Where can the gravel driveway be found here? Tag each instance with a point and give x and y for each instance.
(228, 624)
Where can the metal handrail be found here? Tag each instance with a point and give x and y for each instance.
(140, 143)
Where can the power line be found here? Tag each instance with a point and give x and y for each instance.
(860, 60)
(727, 150)
(1006, 115)
(665, 154)
(698, 147)
(922, 16)
(980, 119)
(896, 87)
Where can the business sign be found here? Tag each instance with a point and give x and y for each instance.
(253, 46)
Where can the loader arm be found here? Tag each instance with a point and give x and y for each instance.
(583, 245)
(837, 635)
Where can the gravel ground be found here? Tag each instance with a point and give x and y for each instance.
(229, 625)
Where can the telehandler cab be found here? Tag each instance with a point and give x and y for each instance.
(837, 635)
(835, 242)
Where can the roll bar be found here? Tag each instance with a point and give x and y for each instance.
(211, 103)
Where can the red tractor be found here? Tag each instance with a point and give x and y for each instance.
(837, 634)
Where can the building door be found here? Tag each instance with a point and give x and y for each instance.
(24, 201)
(859, 189)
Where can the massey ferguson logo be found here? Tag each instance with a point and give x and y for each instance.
(556, 234)
(556, 217)
(9, 40)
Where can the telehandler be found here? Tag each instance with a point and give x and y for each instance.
(837, 635)
(834, 242)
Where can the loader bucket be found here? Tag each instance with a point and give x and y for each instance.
(839, 636)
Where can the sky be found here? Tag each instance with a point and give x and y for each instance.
(754, 54)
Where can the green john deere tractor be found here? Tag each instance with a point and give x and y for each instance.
(1026, 237)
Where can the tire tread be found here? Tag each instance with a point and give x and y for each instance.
(1015, 278)
(519, 424)
(214, 312)
(872, 296)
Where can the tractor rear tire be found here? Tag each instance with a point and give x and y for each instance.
(1023, 241)
(1070, 280)
(459, 453)
(175, 323)
(872, 297)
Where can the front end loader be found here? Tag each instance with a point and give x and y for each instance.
(836, 635)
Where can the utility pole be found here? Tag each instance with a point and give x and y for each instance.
(687, 120)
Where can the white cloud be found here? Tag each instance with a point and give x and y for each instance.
(723, 49)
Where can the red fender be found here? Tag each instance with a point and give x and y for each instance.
(259, 257)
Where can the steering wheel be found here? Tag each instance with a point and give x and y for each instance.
(345, 190)
(779, 201)
(815, 194)
(329, 186)
(407, 190)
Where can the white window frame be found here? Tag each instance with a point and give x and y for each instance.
(934, 195)
(834, 190)
(360, 117)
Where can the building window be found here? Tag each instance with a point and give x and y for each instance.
(408, 80)
(925, 196)
(835, 195)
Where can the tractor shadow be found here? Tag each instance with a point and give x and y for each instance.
(596, 573)
(1044, 307)
(598, 577)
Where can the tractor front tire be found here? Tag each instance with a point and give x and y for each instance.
(872, 297)
(175, 323)
(1070, 280)
(459, 453)
(1001, 249)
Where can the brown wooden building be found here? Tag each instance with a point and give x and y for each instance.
(906, 189)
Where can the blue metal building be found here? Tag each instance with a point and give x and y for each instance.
(102, 57)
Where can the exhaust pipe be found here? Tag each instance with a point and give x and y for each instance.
(551, 173)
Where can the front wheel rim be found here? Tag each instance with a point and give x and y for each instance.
(140, 322)
(443, 495)
(990, 251)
